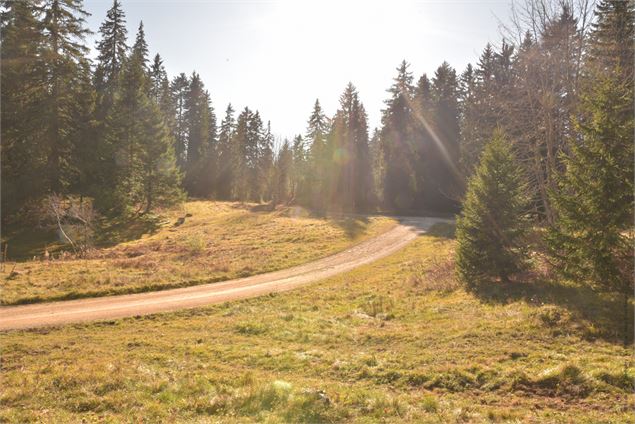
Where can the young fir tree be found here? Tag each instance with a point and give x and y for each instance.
(592, 238)
(491, 229)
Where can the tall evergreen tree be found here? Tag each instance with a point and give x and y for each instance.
(283, 165)
(319, 157)
(140, 46)
(591, 239)
(144, 172)
(112, 48)
(179, 87)
(611, 44)
(491, 229)
(63, 52)
(22, 113)
(200, 123)
(226, 155)
(399, 143)
(441, 181)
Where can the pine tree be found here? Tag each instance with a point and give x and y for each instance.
(22, 112)
(491, 229)
(592, 239)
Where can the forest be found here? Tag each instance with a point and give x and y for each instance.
(537, 134)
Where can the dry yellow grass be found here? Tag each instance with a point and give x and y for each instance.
(387, 342)
(220, 241)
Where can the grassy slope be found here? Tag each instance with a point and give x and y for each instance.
(220, 241)
(381, 343)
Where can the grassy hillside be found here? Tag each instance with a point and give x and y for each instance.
(220, 241)
(392, 341)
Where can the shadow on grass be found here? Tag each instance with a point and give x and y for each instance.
(119, 230)
(598, 315)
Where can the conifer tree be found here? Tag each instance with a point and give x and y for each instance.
(226, 155)
(266, 164)
(611, 46)
(441, 181)
(319, 158)
(22, 113)
(592, 239)
(144, 172)
(112, 49)
(140, 47)
(399, 144)
(283, 165)
(63, 51)
(200, 123)
(298, 171)
(179, 88)
(491, 229)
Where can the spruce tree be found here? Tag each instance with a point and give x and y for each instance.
(592, 238)
(398, 139)
(112, 49)
(179, 88)
(319, 158)
(144, 172)
(441, 181)
(283, 165)
(491, 229)
(63, 52)
(22, 112)
(226, 155)
(140, 47)
(200, 124)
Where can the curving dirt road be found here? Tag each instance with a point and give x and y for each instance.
(109, 307)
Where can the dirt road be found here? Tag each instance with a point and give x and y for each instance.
(110, 307)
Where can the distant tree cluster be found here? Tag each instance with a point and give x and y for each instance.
(539, 131)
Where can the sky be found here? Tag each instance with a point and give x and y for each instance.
(279, 56)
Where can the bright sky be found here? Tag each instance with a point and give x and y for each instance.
(279, 56)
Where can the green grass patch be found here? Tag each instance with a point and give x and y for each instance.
(329, 353)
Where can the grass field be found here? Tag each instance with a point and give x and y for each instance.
(392, 341)
(220, 241)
